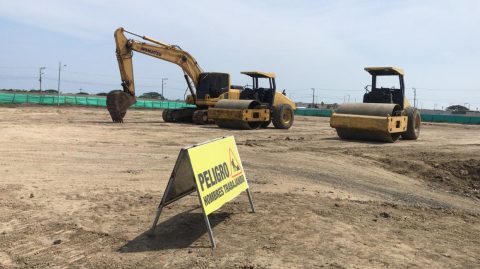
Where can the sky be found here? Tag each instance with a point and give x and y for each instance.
(316, 44)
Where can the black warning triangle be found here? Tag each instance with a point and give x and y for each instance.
(235, 168)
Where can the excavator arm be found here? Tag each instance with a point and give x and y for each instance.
(118, 102)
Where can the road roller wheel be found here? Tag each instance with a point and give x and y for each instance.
(265, 124)
(413, 124)
(282, 116)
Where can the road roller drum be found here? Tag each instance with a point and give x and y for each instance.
(373, 122)
(239, 114)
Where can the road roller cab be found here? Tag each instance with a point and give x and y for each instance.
(265, 95)
(384, 115)
(256, 107)
(385, 95)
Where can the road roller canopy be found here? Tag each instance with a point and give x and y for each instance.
(384, 71)
(255, 74)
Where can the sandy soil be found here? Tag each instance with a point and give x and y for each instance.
(79, 191)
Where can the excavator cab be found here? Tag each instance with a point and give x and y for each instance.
(213, 84)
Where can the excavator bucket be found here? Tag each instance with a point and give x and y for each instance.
(117, 104)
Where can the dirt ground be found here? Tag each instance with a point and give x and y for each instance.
(77, 191)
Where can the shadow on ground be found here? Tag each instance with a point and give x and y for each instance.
(177, 232)
(353, 141)
(126, 122)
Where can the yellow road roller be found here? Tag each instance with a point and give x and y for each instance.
(385, 113)
(256, 107)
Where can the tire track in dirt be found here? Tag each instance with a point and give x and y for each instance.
(355, 180)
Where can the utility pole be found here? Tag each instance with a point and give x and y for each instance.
(290, 94)
(41, 78)
(414, 97)
(346, 94)
(313, 99)
(59, 69)
(163, 83)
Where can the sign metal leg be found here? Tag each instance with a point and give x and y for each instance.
(250, 199)
(152, 230)
(209, 230)
(207, 222)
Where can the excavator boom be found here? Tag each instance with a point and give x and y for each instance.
(119, 101)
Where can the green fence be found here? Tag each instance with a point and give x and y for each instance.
(425, 118)
(11, 98)
(314, 112)
(451, 118)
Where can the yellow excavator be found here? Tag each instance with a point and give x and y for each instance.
(229, 106)
(384, 115)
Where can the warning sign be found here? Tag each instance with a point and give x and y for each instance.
(218, 172)
(214, 170)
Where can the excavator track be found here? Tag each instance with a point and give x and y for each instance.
(117, 104)
(167, 115)
(178, 115)
(200, 117)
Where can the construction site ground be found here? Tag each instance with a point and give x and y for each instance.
(77, 191)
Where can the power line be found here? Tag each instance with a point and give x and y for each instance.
(16, 77)
(295, 90)
(91, 74)
(324, 89)
(109, 84)
(428, 89)
(4, 67)
(429, 98)
(87, 82)
(110, 76)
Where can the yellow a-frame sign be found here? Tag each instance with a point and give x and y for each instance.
(214, 170)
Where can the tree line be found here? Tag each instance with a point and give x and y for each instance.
(148, 95)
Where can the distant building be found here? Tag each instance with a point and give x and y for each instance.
(309, 105)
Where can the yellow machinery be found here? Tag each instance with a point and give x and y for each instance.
(214, 97)
(384, 115)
